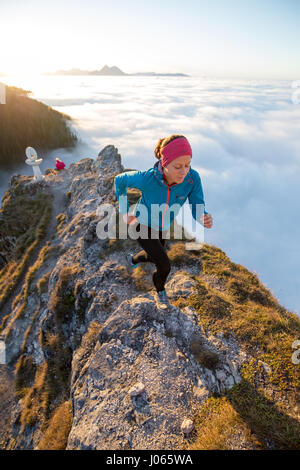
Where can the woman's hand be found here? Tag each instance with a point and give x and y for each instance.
(130, 219)
(207, 220)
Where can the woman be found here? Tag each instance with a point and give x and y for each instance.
(170, 182)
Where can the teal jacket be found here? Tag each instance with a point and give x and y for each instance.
(165, 200)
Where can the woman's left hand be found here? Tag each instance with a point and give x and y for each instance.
(207, 220)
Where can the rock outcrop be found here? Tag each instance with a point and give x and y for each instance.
(81, 330)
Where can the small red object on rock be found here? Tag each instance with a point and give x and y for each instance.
(59, 164)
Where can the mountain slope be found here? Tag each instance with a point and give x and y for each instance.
(98, 366)
(27, 122)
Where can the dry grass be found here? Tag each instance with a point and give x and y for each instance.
(62, 299)
(270, 418)
(45, 386)
(56, 435)
(24, 374)
(248, 311)
(177, 254)
(27, 220)
(36, 401)
(22, 297)
(242, 284)
(60, 220)
(141, 279)
(180, 257)
(42, 284)
(219, 427)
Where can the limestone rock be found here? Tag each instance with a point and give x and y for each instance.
(137, 389)
(181, 285)
(187, 426)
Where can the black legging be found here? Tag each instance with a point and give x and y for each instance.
(154, 252)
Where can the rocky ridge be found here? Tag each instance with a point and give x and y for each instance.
(131, 373)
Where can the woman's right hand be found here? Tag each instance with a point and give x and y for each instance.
(129, 219)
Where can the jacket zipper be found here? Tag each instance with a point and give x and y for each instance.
(161, 226)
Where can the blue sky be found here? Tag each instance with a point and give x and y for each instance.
(232, 38)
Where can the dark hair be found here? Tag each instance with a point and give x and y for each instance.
(163, 142)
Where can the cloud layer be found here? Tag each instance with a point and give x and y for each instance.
(246, 147)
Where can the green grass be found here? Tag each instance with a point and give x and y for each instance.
(26, 122)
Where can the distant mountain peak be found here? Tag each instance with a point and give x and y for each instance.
(111, 70)
(106, 70)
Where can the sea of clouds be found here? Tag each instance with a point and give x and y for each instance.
(246, 147)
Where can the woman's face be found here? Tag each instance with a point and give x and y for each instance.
(177, 170)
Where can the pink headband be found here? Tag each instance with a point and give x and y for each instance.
(174, 149)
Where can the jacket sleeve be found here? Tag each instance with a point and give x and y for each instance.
(196, 197)
(129, 179)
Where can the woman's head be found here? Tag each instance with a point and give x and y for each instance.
(175, 154)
